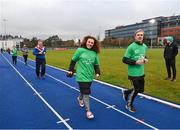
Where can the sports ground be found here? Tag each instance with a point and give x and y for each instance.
(51, 103)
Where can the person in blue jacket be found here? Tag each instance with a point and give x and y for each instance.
(40, 51)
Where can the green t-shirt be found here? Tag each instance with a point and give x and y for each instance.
(14, 52)
(136, 52)
(86, 60)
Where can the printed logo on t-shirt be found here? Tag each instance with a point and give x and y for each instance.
(88, 61)
(136, 51)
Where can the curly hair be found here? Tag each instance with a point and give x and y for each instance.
(96, 46)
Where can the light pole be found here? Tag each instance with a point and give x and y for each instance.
(152, 21)
(5, 20)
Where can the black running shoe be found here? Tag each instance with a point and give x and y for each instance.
(125, 96)
(130, 108)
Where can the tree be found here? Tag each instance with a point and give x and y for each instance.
(116, 42)
(33, 42)
(53, 41)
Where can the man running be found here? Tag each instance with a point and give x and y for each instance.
(135, 57)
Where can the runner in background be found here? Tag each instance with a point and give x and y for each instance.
(40, 51)
(25, 53)
(14, 55)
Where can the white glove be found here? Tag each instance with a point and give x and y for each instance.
(97, 75)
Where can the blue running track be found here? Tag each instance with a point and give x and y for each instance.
(51, 103)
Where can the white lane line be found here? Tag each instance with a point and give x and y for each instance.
(61, 121)
(40, 93)
(47, 104)
(29, 83)
(110, 106)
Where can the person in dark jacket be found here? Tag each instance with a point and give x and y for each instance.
(40, 51)
(2, 51)
(170, 52)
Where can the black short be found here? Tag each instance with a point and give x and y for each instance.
(85, 87)
(138, 84)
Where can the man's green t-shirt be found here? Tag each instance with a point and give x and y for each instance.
(86, 60)
(14, 52)
(136, 52)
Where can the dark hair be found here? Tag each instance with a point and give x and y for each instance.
(96, 46)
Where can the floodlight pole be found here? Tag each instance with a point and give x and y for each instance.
(5, 20)
(152, 21)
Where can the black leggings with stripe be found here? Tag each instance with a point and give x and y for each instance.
(138, 87)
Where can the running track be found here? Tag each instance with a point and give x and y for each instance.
(30, 103)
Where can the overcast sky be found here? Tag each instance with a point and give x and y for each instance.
(71, 19)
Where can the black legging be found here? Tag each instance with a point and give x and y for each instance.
(25, 58)
(138, 87)
(40, 63)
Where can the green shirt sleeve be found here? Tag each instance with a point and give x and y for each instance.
(76, 55)
(128, 52)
